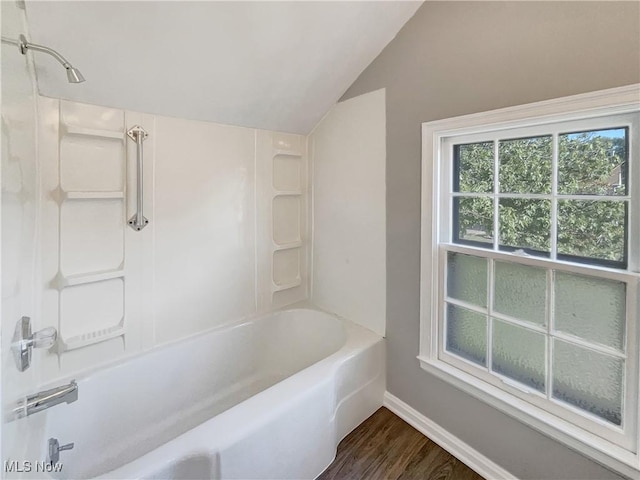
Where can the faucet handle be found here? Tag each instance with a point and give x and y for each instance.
(55, 448)
(24, 341)
(45, 338)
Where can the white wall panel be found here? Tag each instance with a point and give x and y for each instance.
(348, 171)
(204, 219)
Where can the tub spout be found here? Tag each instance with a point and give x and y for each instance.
(46, 399)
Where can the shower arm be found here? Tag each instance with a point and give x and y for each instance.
(73, 74)
(23, 45)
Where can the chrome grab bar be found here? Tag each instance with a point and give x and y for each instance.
(138, 221)
(46, 399)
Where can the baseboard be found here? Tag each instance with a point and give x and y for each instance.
(456, 447)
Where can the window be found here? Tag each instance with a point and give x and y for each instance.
(561, 196)
(530, 269)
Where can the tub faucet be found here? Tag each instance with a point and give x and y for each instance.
(46, 399)
(55, 448)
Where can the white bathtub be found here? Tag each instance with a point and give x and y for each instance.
(267, 398)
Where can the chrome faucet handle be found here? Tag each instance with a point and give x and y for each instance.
(24, 341)
(45, 338)
(55, 448)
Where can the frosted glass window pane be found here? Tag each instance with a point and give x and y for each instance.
(588, 380)
(520, 291)
(591, 308)
(519, 353)
(467, 334)
(467, 278)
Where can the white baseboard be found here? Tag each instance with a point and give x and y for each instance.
(452, 444)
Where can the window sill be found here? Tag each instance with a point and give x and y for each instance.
(588, 444)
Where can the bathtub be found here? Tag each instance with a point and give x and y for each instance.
(265, 398)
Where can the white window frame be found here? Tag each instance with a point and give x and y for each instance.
(605, 447)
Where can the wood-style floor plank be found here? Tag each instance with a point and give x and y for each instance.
(385, 447)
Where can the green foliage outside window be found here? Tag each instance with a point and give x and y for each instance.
(589, 163)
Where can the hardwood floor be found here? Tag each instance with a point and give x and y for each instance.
(385, 447)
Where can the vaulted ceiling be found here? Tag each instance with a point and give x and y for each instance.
(272, 65)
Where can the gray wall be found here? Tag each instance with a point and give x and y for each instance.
(455, 58)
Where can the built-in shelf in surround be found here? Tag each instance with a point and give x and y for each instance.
(92, 195)
(90, 338)
(84, 278)
(287, 193)
(287, 246)
(286, 286)
(287, 153)
(286, 167)
(91, 132)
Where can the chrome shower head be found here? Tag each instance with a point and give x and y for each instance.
(74, 75)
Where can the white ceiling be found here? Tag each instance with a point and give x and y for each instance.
(272, 65)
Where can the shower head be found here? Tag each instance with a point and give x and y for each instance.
(73, 74)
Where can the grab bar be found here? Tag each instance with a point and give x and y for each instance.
(138, 221)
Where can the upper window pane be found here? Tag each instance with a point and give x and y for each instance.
(592, 231)
(473, 221)
(525, 224)
(473, 165)
(593, 162)
(525, 165)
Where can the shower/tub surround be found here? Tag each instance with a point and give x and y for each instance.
(227, 234)
(270, 397)
(173, 320)
(184, 319)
